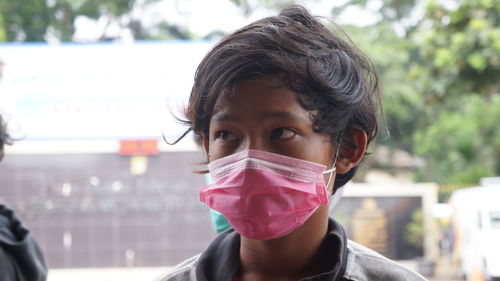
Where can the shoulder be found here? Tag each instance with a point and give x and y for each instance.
(185, 271)
(365, 264)
(7, 266)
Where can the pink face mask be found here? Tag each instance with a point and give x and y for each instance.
(265, 195)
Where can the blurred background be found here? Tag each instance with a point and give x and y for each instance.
(89, 90)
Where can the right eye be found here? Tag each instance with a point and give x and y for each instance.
(225, 136)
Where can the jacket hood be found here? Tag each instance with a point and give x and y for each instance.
(19, 246)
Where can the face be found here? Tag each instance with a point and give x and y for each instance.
(263, 114)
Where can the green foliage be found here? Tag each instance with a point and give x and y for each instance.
(166, 31)
(456, 69)
(391, 56)
(463, 145)
(414, 231)
(32, 20)
(459, 47)
(248, 7)
(440, 85)
(31, 24)
(3, 34)
(390, 10)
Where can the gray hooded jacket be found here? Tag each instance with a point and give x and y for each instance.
(20, 256)
(220, 262)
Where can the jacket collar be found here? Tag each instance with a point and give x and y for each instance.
(221, 259)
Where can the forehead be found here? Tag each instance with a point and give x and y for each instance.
(260, 99)
(271, 89)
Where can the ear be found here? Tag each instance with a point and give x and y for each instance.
(353, 150)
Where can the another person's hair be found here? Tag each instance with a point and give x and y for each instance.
(4, 136)
(333, 79)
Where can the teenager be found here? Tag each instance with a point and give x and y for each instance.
(286, 110)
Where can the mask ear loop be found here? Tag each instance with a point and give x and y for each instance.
(333, 168)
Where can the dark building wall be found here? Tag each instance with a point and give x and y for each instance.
(87, 210)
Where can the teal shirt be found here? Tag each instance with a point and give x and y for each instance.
(219, 222)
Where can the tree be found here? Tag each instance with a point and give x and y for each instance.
(460, 45)
(463, 145)
(441, 84)
(25, 19)
(33, 20)
(456, 68)
(391, 56)
(248, 7)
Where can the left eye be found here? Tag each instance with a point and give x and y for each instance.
(282, 133)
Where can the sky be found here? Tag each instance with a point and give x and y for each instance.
(202, 16)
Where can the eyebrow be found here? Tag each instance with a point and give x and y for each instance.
(281, 115)
(224, 117)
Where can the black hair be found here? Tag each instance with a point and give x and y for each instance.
(4, 136)
(333, 79)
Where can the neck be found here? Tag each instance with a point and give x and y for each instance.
(293, 256)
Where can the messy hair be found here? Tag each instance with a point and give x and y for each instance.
(332, 78)
(4, 136)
